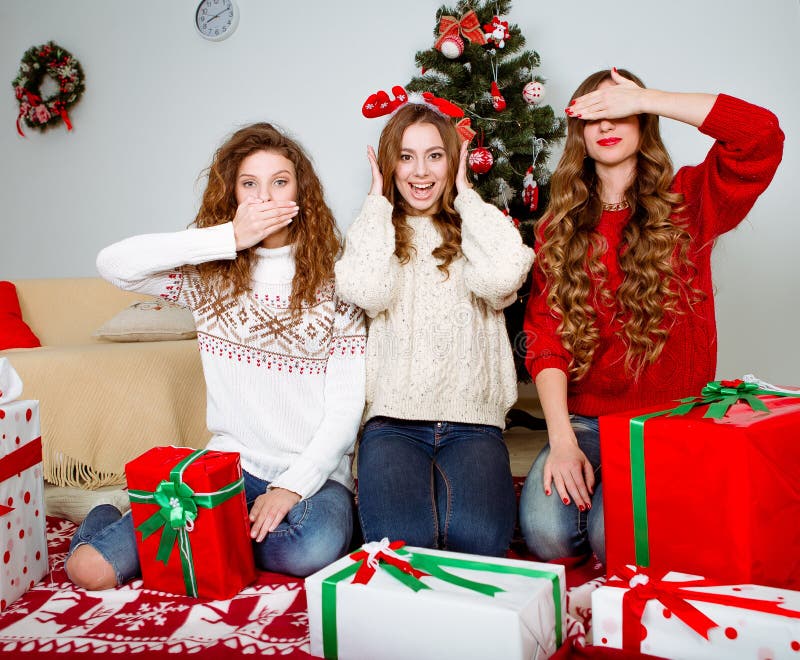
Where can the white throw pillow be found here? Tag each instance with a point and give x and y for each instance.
(152, 320)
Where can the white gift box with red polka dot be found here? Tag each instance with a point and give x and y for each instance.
(23, 538)
(684, 616)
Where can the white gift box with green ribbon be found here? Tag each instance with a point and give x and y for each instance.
(389, 601)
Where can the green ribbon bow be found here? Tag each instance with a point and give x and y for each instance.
(177, 512)
(719, 396)
(432, 564)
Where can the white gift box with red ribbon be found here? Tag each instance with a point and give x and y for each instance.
(389, 601)
(676, 615)
(23, 535)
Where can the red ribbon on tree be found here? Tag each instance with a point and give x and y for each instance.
(465, 130)
(468, 25)
(644, 586)
(381, 551)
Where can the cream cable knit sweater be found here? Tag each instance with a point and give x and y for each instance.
(285, 393)
(437, 348)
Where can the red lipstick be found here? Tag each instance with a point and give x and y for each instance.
(609, 141)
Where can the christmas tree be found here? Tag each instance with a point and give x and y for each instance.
(479, 62)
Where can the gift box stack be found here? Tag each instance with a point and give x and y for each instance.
(708, 487)
(389, 601)
(23, 533)
(191, 520)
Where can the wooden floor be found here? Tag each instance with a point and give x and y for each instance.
(523, 447)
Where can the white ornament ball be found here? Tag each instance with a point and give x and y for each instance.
(452, 47)
(533, 92)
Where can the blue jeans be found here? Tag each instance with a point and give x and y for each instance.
(553, 529)
(440, 485)
(315, 532)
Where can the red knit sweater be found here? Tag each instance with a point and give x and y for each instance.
(718, 194)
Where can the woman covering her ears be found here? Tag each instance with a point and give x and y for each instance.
(621, 313)
(433, 266)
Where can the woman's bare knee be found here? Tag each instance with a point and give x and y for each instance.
(88, 569)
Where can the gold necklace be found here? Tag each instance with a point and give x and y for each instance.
(617, 206)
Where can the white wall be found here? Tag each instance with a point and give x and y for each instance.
(159, 99)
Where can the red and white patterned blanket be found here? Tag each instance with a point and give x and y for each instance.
(56, 619)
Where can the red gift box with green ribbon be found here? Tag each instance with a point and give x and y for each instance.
(393, 602)
(710, 486)
(192, 526)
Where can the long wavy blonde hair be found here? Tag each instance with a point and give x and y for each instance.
(657, 272)
(446, 221)
(313, 233)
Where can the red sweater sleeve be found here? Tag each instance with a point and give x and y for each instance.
(720, 192)
(543, 345)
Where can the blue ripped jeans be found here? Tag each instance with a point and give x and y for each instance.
(315, 532)
(553, 529)
(439, 485)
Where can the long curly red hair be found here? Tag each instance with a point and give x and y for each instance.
(447, 221)
(313, 234)
(657, 272)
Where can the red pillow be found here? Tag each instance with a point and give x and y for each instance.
(14, 332)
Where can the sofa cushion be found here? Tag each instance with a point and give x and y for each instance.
(14, 332)
(151, 320)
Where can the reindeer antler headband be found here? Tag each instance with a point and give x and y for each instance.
(379, 103)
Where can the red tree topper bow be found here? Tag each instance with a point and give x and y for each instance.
(379, 103)
(468, 25)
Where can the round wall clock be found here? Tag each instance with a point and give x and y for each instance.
(216, 19)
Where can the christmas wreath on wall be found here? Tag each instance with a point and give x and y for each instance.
(37, 63)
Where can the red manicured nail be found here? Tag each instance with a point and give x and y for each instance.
(588, 506)
(578, 116)
(547, 492)
(565, 500)
(568, 111)
(572, 102)
(614, 69)
(581, 507)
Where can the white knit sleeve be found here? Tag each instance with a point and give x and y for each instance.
(497, 261)
(344, 405)
(368, 269)
(142, 263)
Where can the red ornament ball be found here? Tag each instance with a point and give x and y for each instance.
(533, 92)
(480, 160)
(452, 47)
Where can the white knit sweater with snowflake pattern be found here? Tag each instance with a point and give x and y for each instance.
(286, 393)
(437, 346)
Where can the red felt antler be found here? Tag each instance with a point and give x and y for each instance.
(379, 104)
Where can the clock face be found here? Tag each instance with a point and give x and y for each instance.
(216, 19)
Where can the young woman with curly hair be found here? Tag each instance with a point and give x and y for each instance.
(283, 356)
(621, 313)
(433, 266)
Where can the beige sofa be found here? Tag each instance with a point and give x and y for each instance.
(103, 403)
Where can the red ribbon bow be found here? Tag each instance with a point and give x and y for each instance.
(374, 553)
(644, 586)
(468, 25)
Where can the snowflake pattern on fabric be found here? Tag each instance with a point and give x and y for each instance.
(56, 619)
